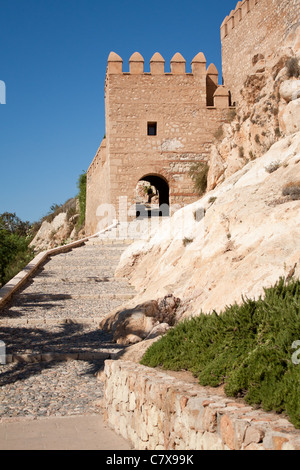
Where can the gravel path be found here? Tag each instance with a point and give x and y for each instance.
(57, 312)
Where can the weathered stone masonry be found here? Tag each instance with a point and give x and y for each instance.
(185, 108)
(154, 410)
(255, 31)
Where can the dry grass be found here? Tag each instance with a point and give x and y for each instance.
(292, 190)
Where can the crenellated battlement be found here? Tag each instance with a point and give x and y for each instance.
(207, 78)
(231, 21)
(157, 65)
(160, 123)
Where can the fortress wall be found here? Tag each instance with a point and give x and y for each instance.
(256, 27)
(98, 191)
(176, 101)
(187, 112)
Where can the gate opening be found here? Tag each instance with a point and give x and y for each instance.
(152, 197)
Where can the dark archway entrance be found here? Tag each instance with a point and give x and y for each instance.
(153, 200)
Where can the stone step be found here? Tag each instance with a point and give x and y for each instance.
(108, 243)
(58, 267)
(63, 296)
(40, 322)
(66, 285)
(84, 265)
(61, 357)
(75, 279)
(58, 308)
(85, 257)
(110, 239)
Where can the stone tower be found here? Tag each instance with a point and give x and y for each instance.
(158, 124)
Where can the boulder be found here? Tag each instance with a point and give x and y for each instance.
(290, 89)
(146, 320)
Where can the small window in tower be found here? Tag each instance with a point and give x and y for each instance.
(152, 128)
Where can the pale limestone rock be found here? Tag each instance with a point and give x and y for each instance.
(146, 320)
(60, 230)
(249, 223)
(158, 330)
(289, 117)
(216, 169)
(47, 231)
(290, 90)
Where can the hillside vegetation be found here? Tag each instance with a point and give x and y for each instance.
(15, 252)
(20, 241)
(247, 347)
(64, 223)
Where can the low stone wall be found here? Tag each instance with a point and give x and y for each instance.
(153, 410)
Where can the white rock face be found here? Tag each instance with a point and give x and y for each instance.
(289, 118)
(48, 230)
(249, 237)
(54, 233)
(290, 90)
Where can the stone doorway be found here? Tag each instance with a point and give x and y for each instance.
(152, 197)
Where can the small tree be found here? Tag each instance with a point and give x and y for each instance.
(14, 246)
(13, 224)
(81, 184)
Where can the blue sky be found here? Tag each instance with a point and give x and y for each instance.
(53, 62)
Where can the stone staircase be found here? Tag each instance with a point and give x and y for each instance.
(56, 315)
(54, 347)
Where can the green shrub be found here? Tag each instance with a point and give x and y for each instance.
(293, 67)
(219, 133)
(15, 252)
(272, 167)
(212, 199)
(186, 241)
(292, 189)
(199, 214)
(198, 172)
(277, 132)
(231, 115)
(247, 347)
(82, 199)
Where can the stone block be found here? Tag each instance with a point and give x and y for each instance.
(227, 431)
(211, 441)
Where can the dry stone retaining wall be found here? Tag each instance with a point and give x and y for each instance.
(154, 410)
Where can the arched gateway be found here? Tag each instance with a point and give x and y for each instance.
(153, 197)
(158, 125)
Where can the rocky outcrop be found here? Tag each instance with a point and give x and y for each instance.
(289, 117)
(58, 228)
(248, 238)
(147, 320)
(269, 110)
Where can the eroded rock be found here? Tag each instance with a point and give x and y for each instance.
(146, 320)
